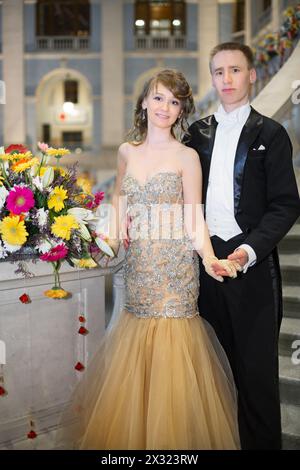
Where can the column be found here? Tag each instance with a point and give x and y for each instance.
(112, 73)
(248, 22)
(276, 16)
(13, 71)
(208, 37)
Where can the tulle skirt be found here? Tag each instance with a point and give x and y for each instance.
(155, 383)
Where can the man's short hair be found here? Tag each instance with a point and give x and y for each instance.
(233, 46)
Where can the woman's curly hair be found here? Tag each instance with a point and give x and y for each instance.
(177, 84)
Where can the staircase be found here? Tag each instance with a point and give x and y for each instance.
(289, 371)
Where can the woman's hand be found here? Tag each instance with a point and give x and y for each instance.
(125, 226)
(217, 268)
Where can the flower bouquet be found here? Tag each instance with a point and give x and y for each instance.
(45, 211)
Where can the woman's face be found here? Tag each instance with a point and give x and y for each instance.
(162, 107)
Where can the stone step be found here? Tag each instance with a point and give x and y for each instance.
(289, 379)
(290, 418)
(289, 335)
(291, 242)
(290, 269)
(291, 301)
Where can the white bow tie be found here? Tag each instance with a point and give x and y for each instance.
(238, 116)
(227, 118)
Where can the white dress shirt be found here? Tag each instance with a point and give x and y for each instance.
(220, 192)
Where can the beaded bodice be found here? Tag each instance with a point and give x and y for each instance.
(161, 269)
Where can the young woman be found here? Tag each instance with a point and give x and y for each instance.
(160, 379)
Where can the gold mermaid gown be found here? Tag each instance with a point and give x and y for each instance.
(160, 379)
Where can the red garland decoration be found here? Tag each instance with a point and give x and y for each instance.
(32, 434)
(80, 367)
(83, 331)
(3, 392)
(25, 299)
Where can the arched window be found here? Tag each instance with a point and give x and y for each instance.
(158, 18)
(63, 18)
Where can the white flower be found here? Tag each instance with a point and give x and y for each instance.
(81, 214)
(84, 233)
(3, 252)
(3, 196)
(34, 169)
(37, 181)
(104, 246)
(44, 246)
(42, 216)
(5, 165)
(11, 248)
(48, 177)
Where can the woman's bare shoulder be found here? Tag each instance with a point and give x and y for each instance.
(126, 150)
(189, 156)
(123, 151)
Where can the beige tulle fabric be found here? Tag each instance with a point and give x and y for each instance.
(160, 379)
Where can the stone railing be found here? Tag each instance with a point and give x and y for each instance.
(62, 43)
(160, 42)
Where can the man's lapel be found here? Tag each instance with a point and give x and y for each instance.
(209, 132)
(248, 135)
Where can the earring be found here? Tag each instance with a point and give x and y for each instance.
(143, 114)
(178, 121)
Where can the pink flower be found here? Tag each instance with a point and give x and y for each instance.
(56, 253)
(43, 147)
(96, 201)
(20, 199)
(99, 197)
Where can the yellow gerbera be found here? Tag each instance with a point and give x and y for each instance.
(58, 153)
(85, 263)
(85, 183)
(57, 293)
(20, 156)
(57, 197)
(13, 230)
(61, 170)
(24, 164)
(63, 225)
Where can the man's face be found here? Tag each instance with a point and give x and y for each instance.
(232, 78)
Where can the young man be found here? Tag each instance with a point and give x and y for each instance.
(251, 201)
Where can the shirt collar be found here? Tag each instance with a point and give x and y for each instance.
(238, 115)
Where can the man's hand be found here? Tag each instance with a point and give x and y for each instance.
(240, 256)
(217, 268)
(229, 269)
